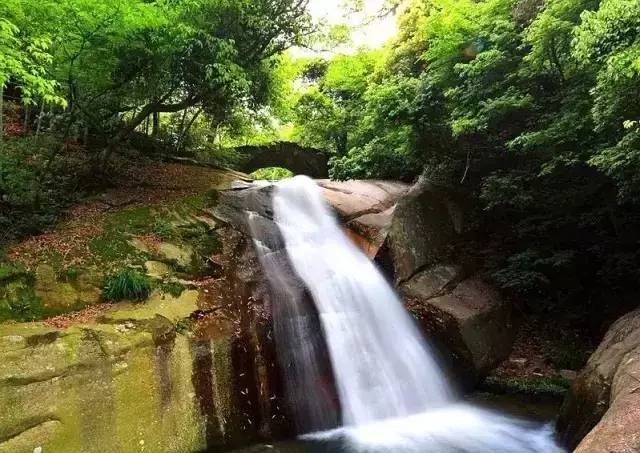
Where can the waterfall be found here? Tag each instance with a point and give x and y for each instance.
(393, 395)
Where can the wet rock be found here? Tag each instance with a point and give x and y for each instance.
(467, 318)
(286, 306)
(604, 401)
(365, 207)
(235, 206)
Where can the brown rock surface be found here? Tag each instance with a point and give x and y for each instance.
(604, 402)
(465, 316)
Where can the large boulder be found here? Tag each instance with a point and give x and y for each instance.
(604, 401)
(466, 317)
(112, 387)
(366, 208)
(458, 310)
(426, 225)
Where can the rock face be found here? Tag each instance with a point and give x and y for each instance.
(465, 316)
(366, 208)
(604, 402)
(301, 161)
(427, 223)
(190, 373)
(109, 387)
(458, 310)
(301, 350)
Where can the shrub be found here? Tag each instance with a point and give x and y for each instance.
(36, 184)
(569, 355)
(555, 386)
(127, 284)
(272, 173)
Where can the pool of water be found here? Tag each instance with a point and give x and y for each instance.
(533, 413)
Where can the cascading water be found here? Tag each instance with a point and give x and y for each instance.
(393, 394)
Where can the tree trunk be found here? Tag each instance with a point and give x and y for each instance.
(27, 112)
(185, 131)
(156, 124)
(40, 119)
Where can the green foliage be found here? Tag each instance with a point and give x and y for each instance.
(184, 326)
(163, 228)
(569, 355)
(25, 61)
(552, 386)
(21, 305)
(525, 107)
(272, 173)
(126, 284)
(118, 64)
(175, 289)
(114, 245)
(35, 185)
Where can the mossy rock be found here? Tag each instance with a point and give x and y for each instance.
(63, 296)
(181, 255)
(157, 269)
(165, 305)
(18, 299)
(101, 388)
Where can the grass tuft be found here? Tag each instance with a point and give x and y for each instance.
(127, 284)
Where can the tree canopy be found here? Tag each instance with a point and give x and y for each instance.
(529, 107)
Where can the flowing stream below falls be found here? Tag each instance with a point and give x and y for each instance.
(360, 375)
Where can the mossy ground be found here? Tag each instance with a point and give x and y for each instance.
(164, 207)
(549, 386)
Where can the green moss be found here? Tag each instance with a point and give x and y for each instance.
(173, 288)
(184, 326)
(127, 284)
(69, 274)
(199, 201)
(133, 220)
(11, 271)
(554, 386)
(19, 302)
(113, 245)
(163, 228)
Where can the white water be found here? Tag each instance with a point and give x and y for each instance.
(393, 394)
